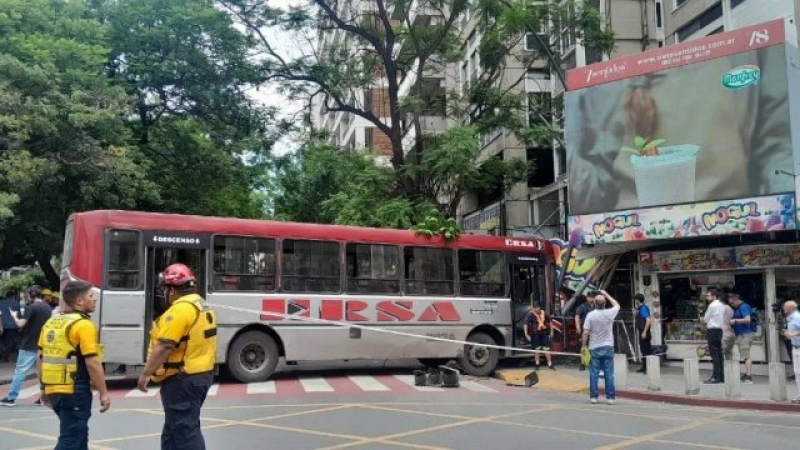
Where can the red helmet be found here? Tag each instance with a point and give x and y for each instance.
(177, 275)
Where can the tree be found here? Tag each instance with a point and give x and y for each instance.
(62, 139)
(384, 43)
(187, 69)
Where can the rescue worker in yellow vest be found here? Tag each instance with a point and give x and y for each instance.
(69, 365)
(183, 352)
(538, 330)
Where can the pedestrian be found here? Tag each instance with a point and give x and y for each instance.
(70, 359)
(598, 335)
(643, 324)
(10, 335)
(714, 318)
(793, 332)
(183, 350)
(586, 306)
(30, 322)
(744, 327)
(539, 331)
(728, 336)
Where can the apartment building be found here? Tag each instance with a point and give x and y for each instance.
(685, 20)
(539, 206)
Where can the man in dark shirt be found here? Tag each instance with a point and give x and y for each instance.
(586, 306)
(30, 323)
(9, 334)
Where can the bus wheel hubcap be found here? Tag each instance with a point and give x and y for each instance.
(478, 356)
(253, 357)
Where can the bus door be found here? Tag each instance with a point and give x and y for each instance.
(527, 286)
(162, 250)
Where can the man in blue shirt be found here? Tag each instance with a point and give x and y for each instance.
(745, 331)
(793, 332)
(643, 323)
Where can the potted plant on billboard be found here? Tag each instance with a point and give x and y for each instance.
(664, 175)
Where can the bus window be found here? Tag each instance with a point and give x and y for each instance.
(310, 266)
(123, 260)
(429, 271)
(481, 273)
(244, 264)
(373, 269)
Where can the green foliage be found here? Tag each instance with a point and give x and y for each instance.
(30, 276)
(123, 104)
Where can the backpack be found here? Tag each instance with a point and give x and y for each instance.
(753, 318)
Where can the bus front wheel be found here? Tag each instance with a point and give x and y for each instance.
(480, 361)
(252, 357)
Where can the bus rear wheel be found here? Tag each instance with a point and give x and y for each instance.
(479, 361)
(252, 357)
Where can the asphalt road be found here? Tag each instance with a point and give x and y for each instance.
(499, 417)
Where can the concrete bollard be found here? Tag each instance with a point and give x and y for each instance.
(733, 382)
(620, 371)
(691, 376)
(777, 382)
(653, 373)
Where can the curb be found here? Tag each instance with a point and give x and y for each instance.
(28, 377)
(675, 399)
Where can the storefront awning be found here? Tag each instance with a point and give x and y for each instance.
(597, 250)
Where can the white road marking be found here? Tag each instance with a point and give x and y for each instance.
(368, 383)
(263, 387)
(316, 385)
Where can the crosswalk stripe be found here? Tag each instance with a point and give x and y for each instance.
(475, 386)
(212, 391)
(262, 387)
(29, 392)
(368, 384)
(152, 391)
(315, 385)
(409, 380)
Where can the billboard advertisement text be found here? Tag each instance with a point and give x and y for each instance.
(698, 122)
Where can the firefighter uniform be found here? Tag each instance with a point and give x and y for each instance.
(188, 373)
(65, 342)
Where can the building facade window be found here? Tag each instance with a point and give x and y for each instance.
(703, 20)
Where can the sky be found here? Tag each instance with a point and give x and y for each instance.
(268, 95)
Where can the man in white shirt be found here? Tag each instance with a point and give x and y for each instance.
(598, 333)
(714, 319)
(792, 332)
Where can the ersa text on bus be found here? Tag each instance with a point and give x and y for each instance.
(361, 311)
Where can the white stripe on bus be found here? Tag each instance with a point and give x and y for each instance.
(368, 384)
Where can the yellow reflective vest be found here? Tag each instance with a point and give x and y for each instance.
(62, 363)
(197, 351)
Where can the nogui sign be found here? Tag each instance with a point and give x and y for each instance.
(360, 311)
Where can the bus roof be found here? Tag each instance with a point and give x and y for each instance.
(295, 230)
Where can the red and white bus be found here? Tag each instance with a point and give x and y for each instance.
(476, 288)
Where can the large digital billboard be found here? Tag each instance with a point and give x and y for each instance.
(693, 123)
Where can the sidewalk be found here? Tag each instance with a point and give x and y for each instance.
(754, 396)
(7, 373)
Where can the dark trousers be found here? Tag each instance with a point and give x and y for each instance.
(73, 413)
(788, 344)
(182, 397)
(714, 337)
(10, 341)
(647, 349)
